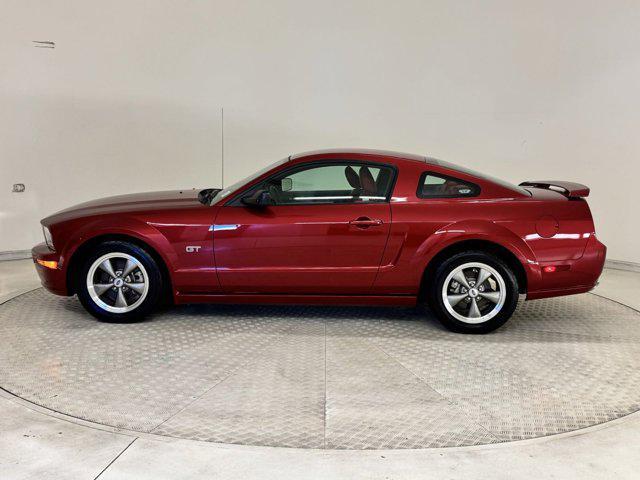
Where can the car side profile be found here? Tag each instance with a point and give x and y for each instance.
(352, 227)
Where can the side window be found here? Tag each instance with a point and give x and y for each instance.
(433, 185)
(334, 183)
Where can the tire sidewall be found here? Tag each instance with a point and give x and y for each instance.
(436, 302)
(154, 279)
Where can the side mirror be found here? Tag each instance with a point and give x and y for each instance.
(260, 198)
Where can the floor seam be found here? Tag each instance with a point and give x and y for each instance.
(20, 294)
(452, 404)
(222, 380)
(614, 301)
(324, 434)
(116, 458)
(501, 438)
(580, 335)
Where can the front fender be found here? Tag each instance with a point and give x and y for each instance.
(131, 227)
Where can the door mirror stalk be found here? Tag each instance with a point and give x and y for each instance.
(260, 198)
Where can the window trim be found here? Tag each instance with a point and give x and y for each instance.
(236, 201)
(475, 187)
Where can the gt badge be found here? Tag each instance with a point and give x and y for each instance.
(193, 248)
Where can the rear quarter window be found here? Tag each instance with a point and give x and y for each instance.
(437, 185)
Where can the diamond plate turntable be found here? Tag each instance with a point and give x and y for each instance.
(326, 377)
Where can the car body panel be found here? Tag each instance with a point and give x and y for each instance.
(224, 252)
(311, 249)
(174, 222)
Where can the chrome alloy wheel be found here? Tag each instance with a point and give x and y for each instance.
(474, 293)
(117, 282)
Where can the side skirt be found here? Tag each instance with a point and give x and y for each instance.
(355, 300)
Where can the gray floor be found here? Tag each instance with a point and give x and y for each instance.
(327, 378)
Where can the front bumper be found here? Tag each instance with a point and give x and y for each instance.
(53, 279)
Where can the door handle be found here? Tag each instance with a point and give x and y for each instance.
(365, 222)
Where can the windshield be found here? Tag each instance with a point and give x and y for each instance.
(225, 192)
(482, 176)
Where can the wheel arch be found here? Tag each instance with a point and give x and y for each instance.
(488, 246)
(83, 249)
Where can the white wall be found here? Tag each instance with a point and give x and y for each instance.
(130, 98)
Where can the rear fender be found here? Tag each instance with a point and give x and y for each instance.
(482, 230)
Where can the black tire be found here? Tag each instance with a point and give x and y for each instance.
(446, 267)
(153, 274)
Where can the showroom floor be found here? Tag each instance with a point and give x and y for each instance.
(359, 393)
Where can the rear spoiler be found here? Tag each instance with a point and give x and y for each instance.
(568, 189)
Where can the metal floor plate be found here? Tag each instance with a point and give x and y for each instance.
(316, 377)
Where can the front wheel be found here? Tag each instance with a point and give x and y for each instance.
(473, 292)
(119, 282)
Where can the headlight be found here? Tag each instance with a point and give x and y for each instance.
(47, 237)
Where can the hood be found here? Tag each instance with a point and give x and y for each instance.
(135, 202)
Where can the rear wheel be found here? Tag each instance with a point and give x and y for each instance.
(119, 282)
(473, 292)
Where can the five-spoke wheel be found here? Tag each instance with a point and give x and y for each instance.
(473, 292)
(119, 282)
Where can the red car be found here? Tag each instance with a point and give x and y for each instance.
(341, 227)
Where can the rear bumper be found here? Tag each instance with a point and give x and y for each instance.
(578, 276)
(53, 279)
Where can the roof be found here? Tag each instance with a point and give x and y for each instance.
(360, 151)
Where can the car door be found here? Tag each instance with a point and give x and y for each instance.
(324, 232)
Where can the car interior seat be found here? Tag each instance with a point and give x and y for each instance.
(367, 182)
(382, 182)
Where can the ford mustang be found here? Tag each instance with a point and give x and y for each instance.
(357, 227)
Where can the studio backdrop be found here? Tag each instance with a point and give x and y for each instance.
(106, 98)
